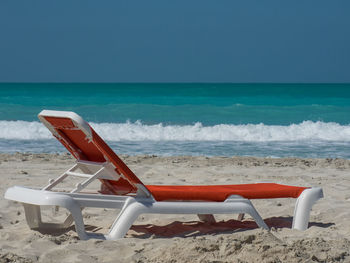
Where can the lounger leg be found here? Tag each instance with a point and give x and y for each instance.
(207, 218)
(34, 220)
(303, 207)
(33, 215)
(68, 221)
(255, 215)
(240, 217)
(75, 211)
(125, 219)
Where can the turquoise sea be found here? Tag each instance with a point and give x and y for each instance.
(276, 120)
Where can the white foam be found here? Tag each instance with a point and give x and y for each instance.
(23, 130)
(307, 130)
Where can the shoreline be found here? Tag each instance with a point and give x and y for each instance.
(339, 163)
(182, 238)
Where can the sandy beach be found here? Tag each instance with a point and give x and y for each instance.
(177, 238)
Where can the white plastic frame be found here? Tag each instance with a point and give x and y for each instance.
(132, 206)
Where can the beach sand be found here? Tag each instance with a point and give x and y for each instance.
(182, 238)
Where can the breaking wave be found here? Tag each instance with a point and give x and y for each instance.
(307, 130)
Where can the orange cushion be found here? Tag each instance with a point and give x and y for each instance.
(219, 193)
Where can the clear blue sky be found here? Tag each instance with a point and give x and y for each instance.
(175, 41)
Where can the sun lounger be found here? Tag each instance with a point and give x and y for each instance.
(121, 189)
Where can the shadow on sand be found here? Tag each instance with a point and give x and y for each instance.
(190, 228)
(196, 228)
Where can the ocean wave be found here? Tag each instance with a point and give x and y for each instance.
(137, 131)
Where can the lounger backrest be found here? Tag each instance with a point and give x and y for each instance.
(85, 144)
